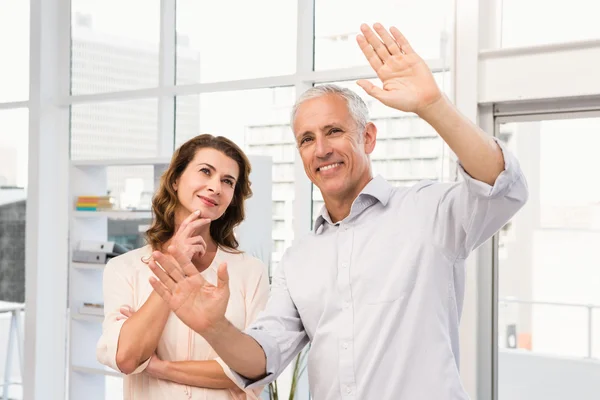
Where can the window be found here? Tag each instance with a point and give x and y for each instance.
(112, 47)
(218, 41)
(425, 23)
(535, 22)
(258, 122)
(14, 47)
(111, 130)
(548, 266)
(14, 135)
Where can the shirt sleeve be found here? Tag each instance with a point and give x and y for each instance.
(278, 330)
(256, 299)
(118, 292)
(465, 214)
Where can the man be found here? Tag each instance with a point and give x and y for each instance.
(378, 287)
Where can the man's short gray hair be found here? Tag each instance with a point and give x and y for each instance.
(357, 107)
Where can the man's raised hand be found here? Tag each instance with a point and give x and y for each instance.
(408, 84)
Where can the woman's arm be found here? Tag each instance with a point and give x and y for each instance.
(140, 333)
(124, 344)
(206, 374)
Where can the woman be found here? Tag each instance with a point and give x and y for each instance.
(196, 208)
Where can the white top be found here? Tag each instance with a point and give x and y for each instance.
(379, 295)
(126, 283)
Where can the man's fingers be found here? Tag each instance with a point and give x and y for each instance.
(222, 276)
(387, 39)
(401, 40)
(380, 48)
(164, 277)
(369, 53)
(371, 89)
(170, 265)
(184, 262)
(160, 289)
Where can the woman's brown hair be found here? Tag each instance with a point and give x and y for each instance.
(165, 202)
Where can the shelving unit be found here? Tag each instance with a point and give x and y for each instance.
(87, 377)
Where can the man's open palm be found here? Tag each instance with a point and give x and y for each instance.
(408, 84)
(198, 304)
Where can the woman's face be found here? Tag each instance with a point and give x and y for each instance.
(207, 184)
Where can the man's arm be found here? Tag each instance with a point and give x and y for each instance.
(477, 151)
(267, 346)
(462, 215)
(409, 85)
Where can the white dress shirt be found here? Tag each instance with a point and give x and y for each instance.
(379, 294)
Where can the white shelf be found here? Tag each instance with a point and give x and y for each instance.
(96, 371)
(121, 162)
(86, 317)
(122, 215)
(81, 265)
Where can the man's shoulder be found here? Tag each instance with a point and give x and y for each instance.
(425, 187)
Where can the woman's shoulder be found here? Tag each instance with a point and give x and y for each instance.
(243, 262)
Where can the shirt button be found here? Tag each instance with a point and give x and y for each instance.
(344, 265)
(348, 389)
(346, 304)
(345, 345)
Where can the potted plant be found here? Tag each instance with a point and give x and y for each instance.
(299, 368)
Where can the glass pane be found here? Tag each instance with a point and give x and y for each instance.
(14, 139)
(522, 25)
(548, 266)
(14, 47)
(425, 23)
(218, 41)
(14, 134)
(119, 129)
(407, 150)
(258, 121)
(113, 47)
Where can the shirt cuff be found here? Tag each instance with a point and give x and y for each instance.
(272, 354)
(504, 181)
(251, 393)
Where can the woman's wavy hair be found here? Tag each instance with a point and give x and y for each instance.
(165, 202)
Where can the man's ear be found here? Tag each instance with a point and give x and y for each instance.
(369, 137)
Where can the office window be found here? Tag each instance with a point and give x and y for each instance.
(14, 47)
(537, 22)
(113, 48)
(425, 23)
(548, 320)
(218, 41)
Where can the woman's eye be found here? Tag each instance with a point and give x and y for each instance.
(205, 170)
(229, 182)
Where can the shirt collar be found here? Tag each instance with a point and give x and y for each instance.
(378, 189)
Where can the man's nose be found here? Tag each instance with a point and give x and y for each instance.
(323, 148)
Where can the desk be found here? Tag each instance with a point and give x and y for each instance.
(14, 335)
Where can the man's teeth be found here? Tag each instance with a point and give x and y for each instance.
(325, 168)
